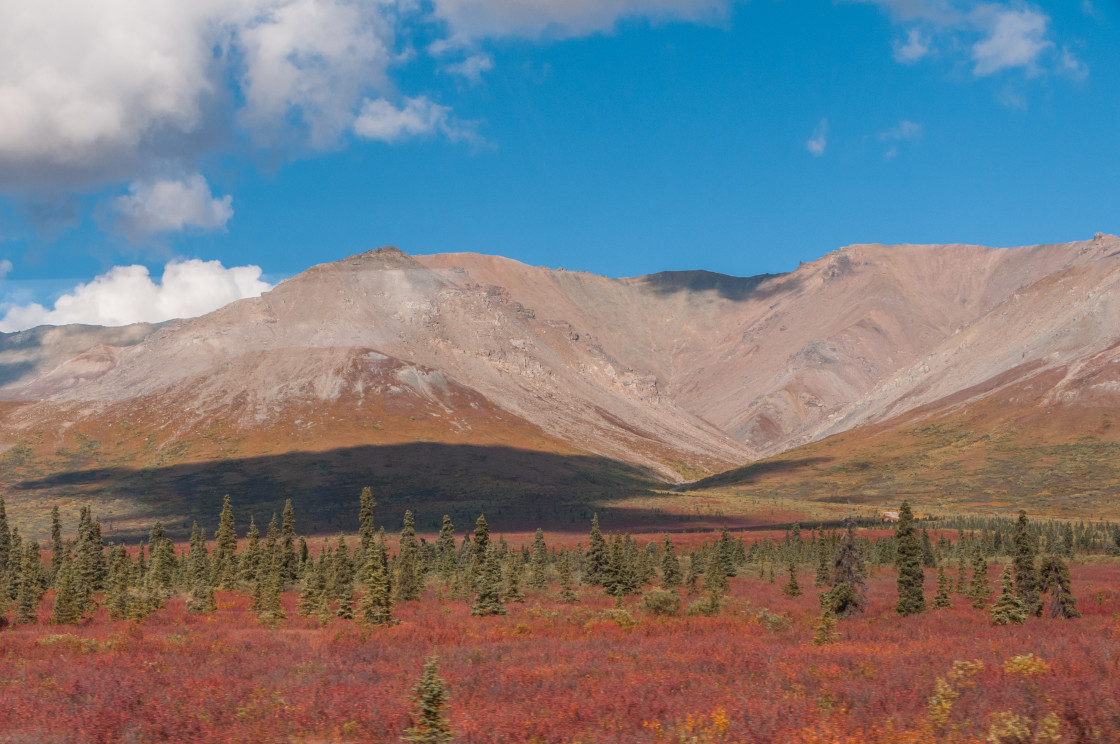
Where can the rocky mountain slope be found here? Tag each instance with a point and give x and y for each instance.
(680, 374)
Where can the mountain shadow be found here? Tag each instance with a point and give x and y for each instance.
(516, 489)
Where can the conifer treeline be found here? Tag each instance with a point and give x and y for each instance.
(366, 581)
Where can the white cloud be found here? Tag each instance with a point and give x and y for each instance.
(904, 130)
(127, 294)
(472, 67)
(819, 141)
(381, 120)
(913, 49)
(1071, 66)
(477, 19)
(98, 91)
(171, 205)
(1015, 38)
(5, 269)
(995, 36)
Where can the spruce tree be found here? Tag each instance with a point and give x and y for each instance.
(406, 569)
(15, 565)
(5, 544)
(489, 598)
(225, 539)
(118, 597)
(1008, 607)
(726, 548)
(366, 530)
(911, 598)
(290, 559)
(250, 564)
(792, 588)
(1026, 575)
(670, 565)
(848, 570)
(27, 599)
(429, 696)
(929, 560)
(962, 572)
(979, 590)
(692, 576)
(1054, 578)
(56, 543)
(271, 604)
(447, 559)
(538, 578)
(595, 564)
(201, 601)
(564, 576)
(376, 605)
(514, 566)
(68, 609)
(941, 599)
(823, 575)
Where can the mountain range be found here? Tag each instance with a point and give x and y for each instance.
(434, 364)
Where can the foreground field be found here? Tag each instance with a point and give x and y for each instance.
(552, 672)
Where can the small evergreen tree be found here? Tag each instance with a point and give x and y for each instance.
(538, 578)
(447, 560)
(1026, 575)
(941, 599)
(848, 594)
(67, 602)
(595, 564)
(489, 599)
(376, 605)
(564, 571)
(406, 568)
(366, 530)
(823, 575)
(670, 565)
(792, 588)
(289, 566)
(911, 598)
(726, 548)
(513, 578)
(1054, 578)
(56, 543)
(223, 570)
(824, 630)
(715, 580)
(429, 696)
(929, 560)
(29, 594)
(1008, 607)
(979, 590)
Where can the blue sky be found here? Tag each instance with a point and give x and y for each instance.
(617, 136)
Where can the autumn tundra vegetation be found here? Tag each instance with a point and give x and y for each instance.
(954, 629)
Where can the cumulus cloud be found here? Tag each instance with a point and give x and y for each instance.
(1015, 38)
(95, 91)
(382, 121)
(819, 141)
(472, 67)
(127, 294)
(170, 205)
(913, 49)
(995, 36)
(477, 19)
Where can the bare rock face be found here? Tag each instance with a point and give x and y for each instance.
(679, 373)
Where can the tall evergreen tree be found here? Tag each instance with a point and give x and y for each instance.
(118, 597)
(911, 598)
(271, 605)
(595, 564)
(366, 530)
(5, 544)
(792, 588)
(929, 560)
(406, 569)
(290, 559)
(564, 576)
(979, 590)
(489, 598)
(941, 599)
(429, 726)
(68, 609)
(1054, 578)
(28, 596)
(447, 559)
(670, 565)
(250, 564)
(56, 543)
(823, 575)
(376, 605)
(513, 569)
(726, 548)
(1008, 607)
(1026, 575)
(223, 571)
(538, 578)
(962, 571)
